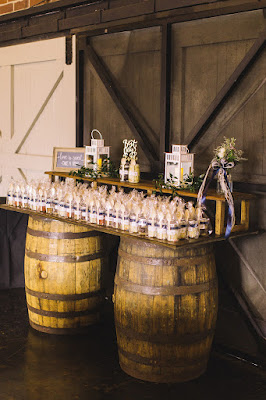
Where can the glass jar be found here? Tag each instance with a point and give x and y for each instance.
(100, 217)
(42, 204)
(116, 219)
(133, 224)
(172, 232)
(48, 206)
(17, 195)
(61, 209)
(93, 215)
(182, 231)
(193, 229)
(229, 182)
(76, 211)
(68, 209)
(142, 225)
(10, 198)
(123, 172)
(55, 206)
(34, 202)
(204, 225)
(162, 230)
(151, 228)
(83, 212)
(125, 222)
(109, 217)
(20, 200)
(24, 201)
(30, 201)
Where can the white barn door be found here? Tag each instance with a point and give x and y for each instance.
(37, 108)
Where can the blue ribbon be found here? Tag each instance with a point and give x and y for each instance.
(229, 218)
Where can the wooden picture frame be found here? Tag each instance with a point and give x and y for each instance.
(68, 159)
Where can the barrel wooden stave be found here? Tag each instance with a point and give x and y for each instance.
(164, 335)
(63, 268)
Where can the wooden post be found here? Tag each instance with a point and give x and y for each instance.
(165, 91)
(219, 217)
(245, 213)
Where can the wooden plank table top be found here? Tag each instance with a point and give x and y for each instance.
(117, 232)
(149, 186)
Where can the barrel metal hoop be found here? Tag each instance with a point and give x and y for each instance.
(128, 241)
(164, 338)
(64, 297)
(60, 331)
(164, 290)
(68, 314)
(170, 261)
(43, 218)
(63, 259)
(62, 235)
(169, 375)
(181, 362)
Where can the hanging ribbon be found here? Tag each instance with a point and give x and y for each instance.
(219, 169)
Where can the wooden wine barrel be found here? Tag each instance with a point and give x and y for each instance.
(165, 305)
(63, 269)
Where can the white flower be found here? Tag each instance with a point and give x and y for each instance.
(221, 152)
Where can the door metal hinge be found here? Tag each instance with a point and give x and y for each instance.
(69, 50)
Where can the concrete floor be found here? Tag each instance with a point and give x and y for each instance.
(36, 366)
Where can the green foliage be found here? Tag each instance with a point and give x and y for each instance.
(108, 170)
(191, 183)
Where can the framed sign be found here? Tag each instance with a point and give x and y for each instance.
(68, 159)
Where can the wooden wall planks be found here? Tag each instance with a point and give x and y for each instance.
(205, 53)
(133, 58)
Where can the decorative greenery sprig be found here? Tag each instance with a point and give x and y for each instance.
(191, 183)
(108, 169)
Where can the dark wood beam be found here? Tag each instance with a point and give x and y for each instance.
(206, 119)
(100, 70)
(165, 91)
(183, 14)
(80, 95)
(92, 17)
(129, 10)
(46, 8)
(162, 5)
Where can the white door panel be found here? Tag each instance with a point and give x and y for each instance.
(37, 51)
(37, 100)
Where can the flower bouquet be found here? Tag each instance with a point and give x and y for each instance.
(226, 157)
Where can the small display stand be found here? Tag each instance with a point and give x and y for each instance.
(149, 187)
